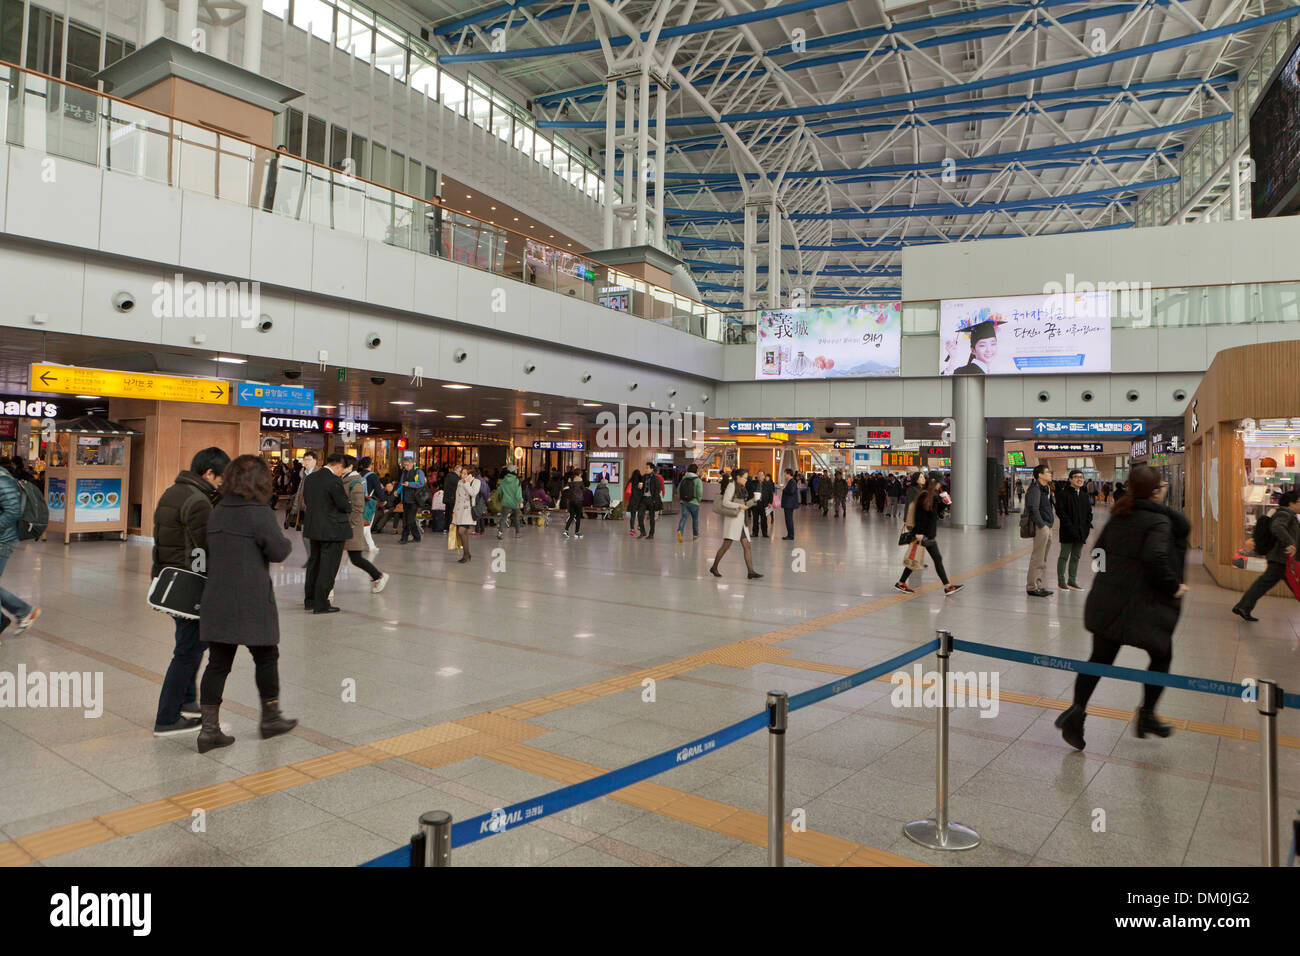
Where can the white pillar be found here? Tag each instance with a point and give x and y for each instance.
(155, 18)
(968, 452)
(187, 21)
(253, 36)
(773, 255)
(749, 256)
(219, 42)
(629, 162)
(611, 131)
(661, 161)
(642, 155)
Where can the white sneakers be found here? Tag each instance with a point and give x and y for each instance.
(379, 584)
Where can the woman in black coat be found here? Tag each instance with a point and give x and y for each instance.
(1137, 597)
(238, 600)
(924, 526)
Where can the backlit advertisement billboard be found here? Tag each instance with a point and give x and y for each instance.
(1025, 335)
(849, 341)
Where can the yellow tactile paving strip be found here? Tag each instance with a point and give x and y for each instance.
(496, 734)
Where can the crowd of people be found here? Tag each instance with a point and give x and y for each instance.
(224, 509)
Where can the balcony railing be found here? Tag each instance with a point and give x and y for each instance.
(76, 123)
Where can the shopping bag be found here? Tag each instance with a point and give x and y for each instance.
(452, 541)
(1293, 576)
(915, 557)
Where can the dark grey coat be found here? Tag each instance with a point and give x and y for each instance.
(238, 602)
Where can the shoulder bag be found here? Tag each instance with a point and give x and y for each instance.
(178, 592)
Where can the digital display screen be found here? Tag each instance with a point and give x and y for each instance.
(1016, 459)
(608, 470)
(1051, 334)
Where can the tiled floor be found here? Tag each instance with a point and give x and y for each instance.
(556, 637)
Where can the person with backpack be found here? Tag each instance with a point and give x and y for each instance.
(180, 527)
(690, 493)
(414, 487)
(20, 520)
(512, 501)
(373, 490)
(1275, 538)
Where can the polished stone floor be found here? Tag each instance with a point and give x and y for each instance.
(447, 642)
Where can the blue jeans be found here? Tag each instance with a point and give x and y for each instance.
(179, 683)
(691, 508)
(16, 606)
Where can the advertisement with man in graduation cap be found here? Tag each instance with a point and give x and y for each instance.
(1025, 335)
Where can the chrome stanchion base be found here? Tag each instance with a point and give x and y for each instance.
(955, 837)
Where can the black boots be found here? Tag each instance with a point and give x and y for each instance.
(275, 723)
(1148, 723)
(210, 735)
(1070, 724)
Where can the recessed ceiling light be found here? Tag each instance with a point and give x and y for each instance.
(938, 423)
(401, 403)
(89, 396)
(516, 218)
(552, 431)
(532, 414)
(843, 423)
(565, 424)
(494, 421)
(231, 361)
(455, 416)
(1024, 429)
(494, 207)
(457, 386)
(489, 424)
(426, 409)
(551, 236)
(591, 404)
(568, 243)
(331, 407)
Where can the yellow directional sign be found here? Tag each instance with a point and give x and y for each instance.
(105, 382)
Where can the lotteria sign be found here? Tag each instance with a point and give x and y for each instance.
(311, 423)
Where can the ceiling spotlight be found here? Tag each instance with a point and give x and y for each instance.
(231, 361)
(455, 416)
(532, 414)
(401, 403)
(426, 409)
(457, 386)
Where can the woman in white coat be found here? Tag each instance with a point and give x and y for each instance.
(462, 513)
(735, 505)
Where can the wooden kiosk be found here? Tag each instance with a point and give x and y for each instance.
(87, 477)
(1239, 454)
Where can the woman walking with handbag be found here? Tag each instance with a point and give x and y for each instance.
(922, 527)
(238, 599)
(355, 485)
(462, 515)
(1136, 599)
(731, 505)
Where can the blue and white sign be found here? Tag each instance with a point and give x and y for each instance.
(286, 398)
(1082, 447)
(1120, 429)
(803, 426)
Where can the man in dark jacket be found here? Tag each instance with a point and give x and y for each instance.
(760, 489)
(1286, 536)
(11, 511)
(326, 529)
(1075, 513)
(789, 502)
(1038, 502)
(180, 529)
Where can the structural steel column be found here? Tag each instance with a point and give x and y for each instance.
(611, 131)
(773, 255)
(187, 21)
(750, 256)
(253, 36)
(642, 153)
(968, 451)
(661, 160)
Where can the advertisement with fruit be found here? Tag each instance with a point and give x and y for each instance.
(849, 341)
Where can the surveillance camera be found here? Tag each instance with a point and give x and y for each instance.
(377, 380)
(373, 341)
(1179, 395)
(123, 301)
(631, 386)
(459, 355)
(704, 399)
(529, 368)
(292, 373)
(672, 393)
(586, 377)
(264, 324)
(1087, 396)
(830, 429)
(1132, 395)
(1044, 396)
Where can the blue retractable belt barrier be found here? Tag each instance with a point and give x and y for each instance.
(498, 821)
(861, 677)
(1203, 684)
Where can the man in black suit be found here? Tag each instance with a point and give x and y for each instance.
(789, 502)
(326, 529)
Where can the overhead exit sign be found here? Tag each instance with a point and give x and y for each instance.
(72, 380)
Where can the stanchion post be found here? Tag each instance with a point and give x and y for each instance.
(417, 850)
(938, 833)
(1268, 706)
(435, 825)
(778, 714)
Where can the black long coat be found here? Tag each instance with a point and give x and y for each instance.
(1132, 601)
(1074, 514)
(238, 602)
(327, 505)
